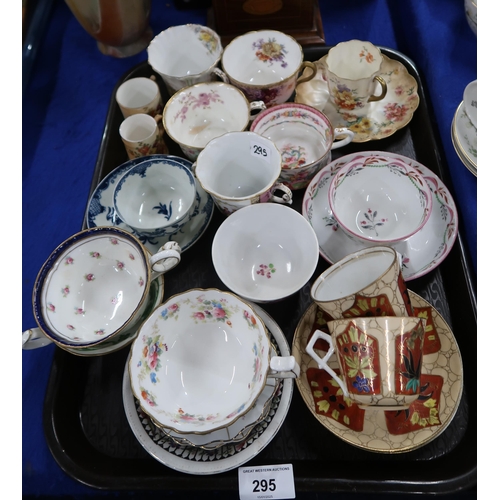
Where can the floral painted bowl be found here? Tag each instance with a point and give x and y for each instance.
(380, 200)
(201, 360)
(265, 252)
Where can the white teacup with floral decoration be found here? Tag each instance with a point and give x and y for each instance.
(353, 69)
(93, 286)
(201, 360)
(195, 115)
(139, 95)
(240, 169)
(265, 65)
(185, 55)
(305, 138)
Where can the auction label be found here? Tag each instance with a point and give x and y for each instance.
(260, 150)
(266, 481)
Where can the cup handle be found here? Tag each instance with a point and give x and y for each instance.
(283, 367)
(345, 140)
(255, 108)
(218, 72)
(306, 78)
(318, 334)
(167, 257)
(285, 198)
(375, 98)
(34, 338)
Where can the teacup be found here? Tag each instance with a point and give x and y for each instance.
(94, 286)
(380, 359)
(195, 115)
(265, 252)
(201, 360)
(368, 282)
(141, 136)
(265, 65)
(470, 102)
(155, 196)
(353, 70)
(239, 169)
(305, 138)
(185, 55)
(139, 95)
(380, 200)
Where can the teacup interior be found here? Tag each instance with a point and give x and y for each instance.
(93, 288)
(137, 92)
(184, 50)
(352, 275)
(197, 114)
(154, 195)
(262, 57)
(354, 60)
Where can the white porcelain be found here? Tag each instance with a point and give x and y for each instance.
(392, 432)
(201, 360)
(265, 65)
(379, 119)
(265, 252)
(470, 102)
(184, 55)
(194, 460)
(155, 196)
(94, 286)
(195, 115)
(380, 200)
(240, 169)
(421, 253)
(380, 359)
(353, 71)
(368, 282)
(305, 138)
(139, 95)
(100, 209)
(464, 139)
(471, 14)
(141, 135)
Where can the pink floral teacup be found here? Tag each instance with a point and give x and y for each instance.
(265, 65)
(353, 70)
(93, 287)
(201, 360)
(195, 115)
(305, 138)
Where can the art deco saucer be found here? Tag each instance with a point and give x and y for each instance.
(195, 460)
(421, 253)
(385, 431)
(382, 118)
(464, 139)
(101, 212)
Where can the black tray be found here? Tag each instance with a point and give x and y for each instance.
(85, 423)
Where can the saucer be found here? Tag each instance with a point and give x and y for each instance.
(195, 460)
(464, 139)
(101, 212)
(156, 295)
(421, 253)
(385, 431)
(382, 118)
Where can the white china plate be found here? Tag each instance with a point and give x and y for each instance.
(382, 118)
(101, 212)
(421, 253)
(464, 139)
(444, 363)
(157, 288)
(194, 460)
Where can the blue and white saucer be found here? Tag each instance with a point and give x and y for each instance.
(100, 210)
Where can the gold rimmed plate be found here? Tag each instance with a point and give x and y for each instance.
(382, 118)
(375, 430)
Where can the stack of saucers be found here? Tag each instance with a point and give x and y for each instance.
(203, 369)
(464, 128)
